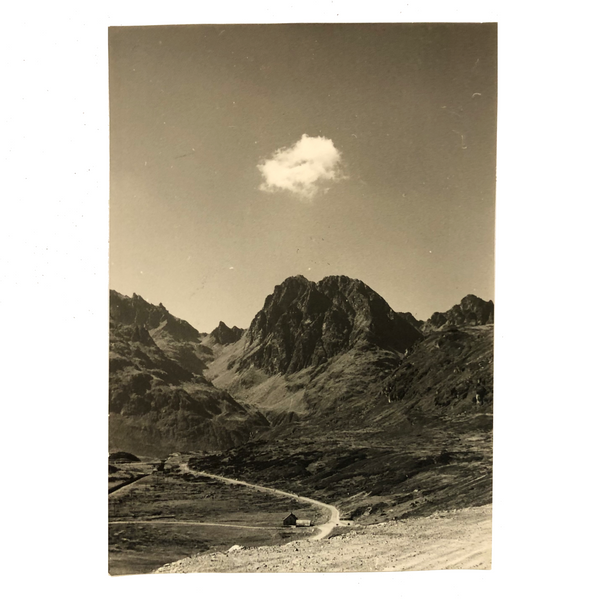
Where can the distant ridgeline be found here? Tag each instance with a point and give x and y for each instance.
(328, 356)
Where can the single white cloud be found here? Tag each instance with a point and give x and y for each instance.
(301, 168)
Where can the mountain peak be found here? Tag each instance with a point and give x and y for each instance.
(222, 334)
(340, 279)
(303, 323)
(471, 310)
(293, 278)
(137, 311)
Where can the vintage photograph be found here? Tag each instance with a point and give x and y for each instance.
(302, 226)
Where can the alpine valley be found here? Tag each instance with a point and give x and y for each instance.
(329, 394)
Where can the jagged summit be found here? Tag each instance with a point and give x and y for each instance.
(222, 334)
(471, 310)
(159, 398)
(303, 323)
(175, 337)
(137, 311)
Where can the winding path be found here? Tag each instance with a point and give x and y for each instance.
(323, 530)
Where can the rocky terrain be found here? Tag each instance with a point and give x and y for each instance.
(445, 540)
(329, 394)
(304, 324)
(335, 355)
(471, 311)
(380, 428)
(160, 402)
(225, 335)
(175, 337)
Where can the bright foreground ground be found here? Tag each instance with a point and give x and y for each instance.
(459, 539)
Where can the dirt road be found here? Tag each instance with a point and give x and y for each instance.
(323, 530)
(460, 539)
(121, 489)
(200, 523)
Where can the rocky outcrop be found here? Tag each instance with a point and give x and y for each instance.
(226, 335)
(304, 324)
(471, 311)
(333, 350)
(136, 311)
(156, 404)
(416, 323)
(178, 340)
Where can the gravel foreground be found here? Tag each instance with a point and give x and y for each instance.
(460, 539)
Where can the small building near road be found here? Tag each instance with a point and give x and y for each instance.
(290, 520)
(303, 523)
(293, 521)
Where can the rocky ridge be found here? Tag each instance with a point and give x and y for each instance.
(226, 335)
(175, 337)
(335, 353)
(329, 394)
(159, 401)
(327, 354)
(304, 324)
(470, 311)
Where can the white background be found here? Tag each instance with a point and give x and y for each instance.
(54, 302)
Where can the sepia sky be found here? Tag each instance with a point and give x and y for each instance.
(242, 155)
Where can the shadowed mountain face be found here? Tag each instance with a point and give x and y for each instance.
(365, 410)
(329, 393)
(327, 353)
(158, 404)
(175, 337)
(226, 335)
(136, 311)
(471, 311)
(333, 355)
(304, 324)
(412, 320)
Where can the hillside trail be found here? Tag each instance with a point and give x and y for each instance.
(323, 530)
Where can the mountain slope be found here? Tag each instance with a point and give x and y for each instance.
(175, 337)
(156, 404)
(363, 410)
(334, 351)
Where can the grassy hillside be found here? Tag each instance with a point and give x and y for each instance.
(379, 433)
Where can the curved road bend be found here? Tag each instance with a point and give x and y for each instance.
(323, 530)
